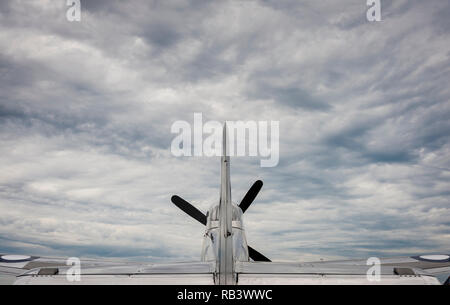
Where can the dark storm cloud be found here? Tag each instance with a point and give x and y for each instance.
(86, 110)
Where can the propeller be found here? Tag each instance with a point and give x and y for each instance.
(250, 196)
(256, 256)
(189, 209)
(245, 203)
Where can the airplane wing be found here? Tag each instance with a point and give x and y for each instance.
(32, 270)
(417, 270)
(50, 270)
(432, 264)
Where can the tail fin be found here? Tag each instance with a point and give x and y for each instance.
(225, 261)
(225, 186)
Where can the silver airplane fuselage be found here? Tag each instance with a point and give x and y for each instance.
(224, 240)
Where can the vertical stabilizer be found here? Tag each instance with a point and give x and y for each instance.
(225, 261)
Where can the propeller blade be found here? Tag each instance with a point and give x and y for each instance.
(256, 256)
(251, 195)
(189, 209)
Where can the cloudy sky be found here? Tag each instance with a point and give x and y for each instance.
(86, 110)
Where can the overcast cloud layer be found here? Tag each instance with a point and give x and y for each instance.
(86, 109)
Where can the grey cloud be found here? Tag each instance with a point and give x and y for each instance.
(293, 97)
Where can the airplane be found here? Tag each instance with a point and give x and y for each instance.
(226, 258)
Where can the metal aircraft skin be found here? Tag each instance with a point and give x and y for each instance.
(226, 258)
